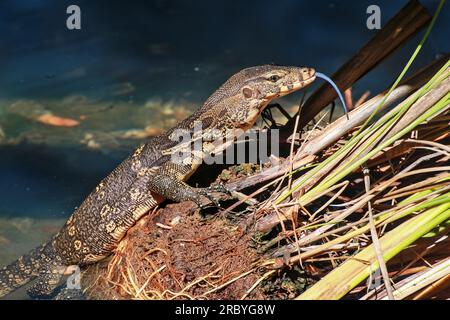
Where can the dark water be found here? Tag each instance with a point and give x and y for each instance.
(174, 49)
(142, 64)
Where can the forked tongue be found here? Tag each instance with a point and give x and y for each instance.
(331, 82)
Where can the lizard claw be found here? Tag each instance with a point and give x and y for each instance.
(220, 187)
(200, 203)
(211, 198)
(201, 206)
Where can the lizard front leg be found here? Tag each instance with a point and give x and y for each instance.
(168, 182)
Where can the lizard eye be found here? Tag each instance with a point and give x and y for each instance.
(274, 78)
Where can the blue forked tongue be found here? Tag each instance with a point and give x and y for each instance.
(331, 82)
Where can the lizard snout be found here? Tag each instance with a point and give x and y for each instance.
(299, 78)
(307, 74)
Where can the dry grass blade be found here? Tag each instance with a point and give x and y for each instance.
(344, 278)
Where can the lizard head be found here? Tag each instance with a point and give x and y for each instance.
(248, 92)
(265, 83)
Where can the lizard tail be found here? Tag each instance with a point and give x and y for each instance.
(25, 269)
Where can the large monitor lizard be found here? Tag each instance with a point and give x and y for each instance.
(149, 176)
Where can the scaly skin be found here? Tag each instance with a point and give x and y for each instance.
(147, 177)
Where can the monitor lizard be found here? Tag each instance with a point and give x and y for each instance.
(149, 176)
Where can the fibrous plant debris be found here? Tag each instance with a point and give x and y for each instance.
(174, 254)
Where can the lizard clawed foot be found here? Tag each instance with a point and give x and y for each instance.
(217, 188)
(221, 188)
(215, 193)
(208, 193)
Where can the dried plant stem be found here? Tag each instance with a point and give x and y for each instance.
(376, 241)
